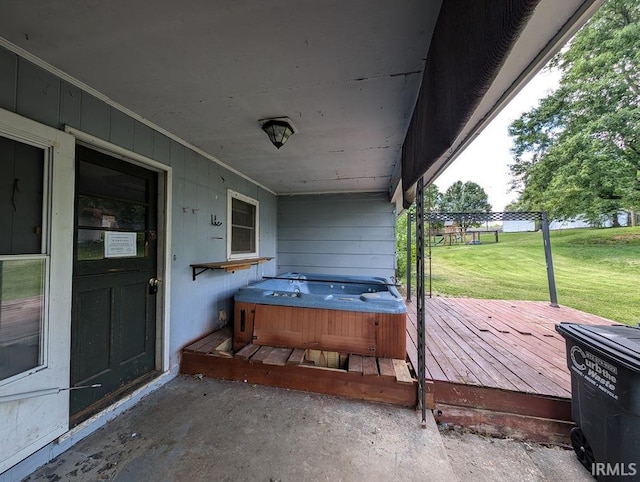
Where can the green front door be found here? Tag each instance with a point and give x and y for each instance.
(113, 326)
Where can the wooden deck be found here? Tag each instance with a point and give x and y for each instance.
(353, 376)
(498, 366)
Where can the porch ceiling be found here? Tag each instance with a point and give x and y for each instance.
(346, 73)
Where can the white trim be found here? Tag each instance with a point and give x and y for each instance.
(90, 90)
(63, 443)
(231, 194)
(93, 423)
(316, 193)
(164, 256)
(37, 421)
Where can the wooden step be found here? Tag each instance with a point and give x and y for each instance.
(296, 357)
(286, 368)
(369, 366)
(218, 342)
(386, 367)
(402, 372)
(261, 354)
(278, 356)
(247, 351)
(355, 364)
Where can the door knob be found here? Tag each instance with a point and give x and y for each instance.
(153, 286)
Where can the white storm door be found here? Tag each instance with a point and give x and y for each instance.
(36, 239)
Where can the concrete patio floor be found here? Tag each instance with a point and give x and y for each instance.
(218, 430)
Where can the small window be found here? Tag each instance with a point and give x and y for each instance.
(242, 230)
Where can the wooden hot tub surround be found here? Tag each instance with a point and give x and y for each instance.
(362, 333)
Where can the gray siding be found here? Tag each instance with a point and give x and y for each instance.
(199, 190)
(337, 234)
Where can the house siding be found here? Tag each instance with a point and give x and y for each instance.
(352, 234)
(198, 192)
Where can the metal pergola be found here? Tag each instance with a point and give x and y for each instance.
(421, 217)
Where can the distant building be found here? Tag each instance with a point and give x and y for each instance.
(518, 226)
(556, 224)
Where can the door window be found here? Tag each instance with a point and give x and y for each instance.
(113, 216)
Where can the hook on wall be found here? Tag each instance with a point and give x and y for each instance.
(214, 221)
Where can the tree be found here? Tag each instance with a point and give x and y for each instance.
(465, 198)
(514, 206)
(578, 151)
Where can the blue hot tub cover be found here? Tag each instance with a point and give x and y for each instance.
(333, 292)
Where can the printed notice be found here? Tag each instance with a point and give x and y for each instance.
(119, 245)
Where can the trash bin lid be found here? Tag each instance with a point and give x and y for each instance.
(617, 341)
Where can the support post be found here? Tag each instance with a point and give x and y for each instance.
(544, 225)
(409, 268)
(422, 387)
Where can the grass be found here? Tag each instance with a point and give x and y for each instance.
(21, 279)
(596, 270)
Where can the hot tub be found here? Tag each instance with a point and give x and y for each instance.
(345, 314)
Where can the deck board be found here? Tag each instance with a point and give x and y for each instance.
(545, 359)
(247, 351)
(369, 366)
(278, 356)
(501, 344)
(507, 360)
(386, 368)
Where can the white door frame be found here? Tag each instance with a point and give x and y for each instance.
(34, 405)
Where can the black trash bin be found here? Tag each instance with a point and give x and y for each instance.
(604, 362)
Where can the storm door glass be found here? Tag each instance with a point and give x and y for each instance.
(23, 259)
(22, 285)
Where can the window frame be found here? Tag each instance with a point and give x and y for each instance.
(44, 255)
(231, 195)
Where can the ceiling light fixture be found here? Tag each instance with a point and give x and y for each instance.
(279, 129)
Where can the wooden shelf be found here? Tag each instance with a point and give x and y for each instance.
(232, 265)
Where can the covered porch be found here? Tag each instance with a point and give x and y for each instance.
(133, 148)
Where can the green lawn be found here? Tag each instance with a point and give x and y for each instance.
(597, 270)
(21, 278)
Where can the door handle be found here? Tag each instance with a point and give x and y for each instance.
(153, 286)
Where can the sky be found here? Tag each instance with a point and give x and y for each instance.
(486, 160)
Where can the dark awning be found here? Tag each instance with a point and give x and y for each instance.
(471, 41)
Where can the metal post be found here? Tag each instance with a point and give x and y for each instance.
(430, 240)
(544, 225)
(409, 264)
(422, 395)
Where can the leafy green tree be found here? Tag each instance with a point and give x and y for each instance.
(514, 206)
(578, 151)
(466, 197)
